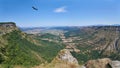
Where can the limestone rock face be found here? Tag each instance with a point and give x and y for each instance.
(99, 63)
(115, 64)
(65, 56)
(7, 24)
(6, 27)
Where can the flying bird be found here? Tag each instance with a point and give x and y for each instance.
(34, 8)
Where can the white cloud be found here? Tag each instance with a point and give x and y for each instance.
(60, 9)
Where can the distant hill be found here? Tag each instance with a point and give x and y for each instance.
(89, 42)
(95, 42)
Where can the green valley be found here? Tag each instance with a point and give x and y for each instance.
(53, 47)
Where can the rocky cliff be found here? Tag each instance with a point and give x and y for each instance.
(102, 63)
(65, 56)
(25, 51)
(6, 27)
(64, 59)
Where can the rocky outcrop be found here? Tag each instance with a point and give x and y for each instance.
(64, 59)
(102, 63)
(6, 27)
(65, 56)
(99, 63)
(115, 64)
(8, 24)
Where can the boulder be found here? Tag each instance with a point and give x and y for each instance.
(115, 64)
(99, 63)
(65, 56)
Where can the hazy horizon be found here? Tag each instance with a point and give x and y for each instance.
(60, 13)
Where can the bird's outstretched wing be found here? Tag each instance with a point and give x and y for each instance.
(34, 8)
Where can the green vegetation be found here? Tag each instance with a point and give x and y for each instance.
(19, 51)
(95, 42)
(84, 56)
(49, 49)
(50, 36)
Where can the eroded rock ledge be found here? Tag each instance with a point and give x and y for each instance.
(102, 63)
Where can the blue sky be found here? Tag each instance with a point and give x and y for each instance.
(60, 12)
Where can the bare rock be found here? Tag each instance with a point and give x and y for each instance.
(115, 64)
(65, 56)
(6, 27)
(99, 63)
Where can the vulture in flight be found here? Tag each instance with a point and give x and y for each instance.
(34, 8)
